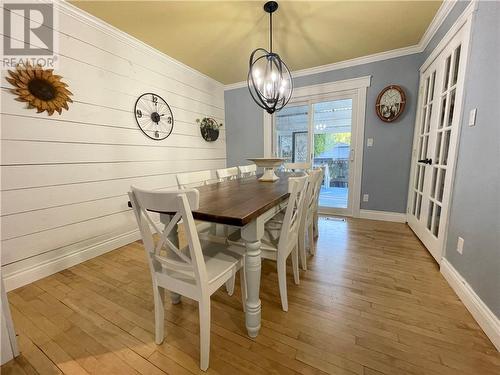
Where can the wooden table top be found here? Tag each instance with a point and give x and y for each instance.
(240, 201)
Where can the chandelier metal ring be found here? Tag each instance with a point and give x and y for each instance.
(269, 79)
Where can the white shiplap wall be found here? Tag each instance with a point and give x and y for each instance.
(64, 178)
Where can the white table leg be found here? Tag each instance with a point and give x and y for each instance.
(173, 236)
(252, 234)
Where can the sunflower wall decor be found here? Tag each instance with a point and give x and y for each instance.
(40, 88)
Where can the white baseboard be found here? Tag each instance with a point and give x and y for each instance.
(383, 215)
(27, 275)
(486, 319)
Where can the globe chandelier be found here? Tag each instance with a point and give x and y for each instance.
(269, 80)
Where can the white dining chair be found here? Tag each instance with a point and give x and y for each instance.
(227, 174)
(194, 179)
(307, 220)
(189, 180)
(195, 271)
(281, 235)
(247, 170)
(317, 192)
(297, 167)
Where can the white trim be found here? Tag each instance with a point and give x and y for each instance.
(386, 55)
(27, 275)
(437, 21)
(359, 148)
(342, 64)
(355, 88)
(331, 87)
(486, 319)
(457, 25)
(396, 217)
(70, 10)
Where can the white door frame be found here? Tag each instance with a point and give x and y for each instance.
(354, 88)
(462, 24)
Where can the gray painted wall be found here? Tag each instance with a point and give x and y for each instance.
(244, 127)
(385, 174)
(475, 207)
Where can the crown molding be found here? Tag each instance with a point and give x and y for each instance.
(342, 64)
(436, 23)
(429, 33)
(70, 10)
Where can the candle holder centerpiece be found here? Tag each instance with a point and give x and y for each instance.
(269, 165)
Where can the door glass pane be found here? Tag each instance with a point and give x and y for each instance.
(443, 112)
(431, 90)
(446, 147)
(437, 219)
(424, 149)
(442, 175)
(414, 203)
(429, 214)
(332, 123)
(424, 118)
(429, 114)
(433, 182)
(446, 73)
(452, 108)
(456, 65)
(426, 100)
(419, 204)
(291, 132)
(438, 147)
(422, 178)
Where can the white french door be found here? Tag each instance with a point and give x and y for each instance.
(435, 142)
(322, 131)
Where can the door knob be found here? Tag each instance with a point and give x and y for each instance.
(425, 161)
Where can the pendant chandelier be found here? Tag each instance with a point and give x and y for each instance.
(269, 80)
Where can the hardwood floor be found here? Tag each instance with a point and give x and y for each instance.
(372, 302)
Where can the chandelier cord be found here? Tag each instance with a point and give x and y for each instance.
(271, 32)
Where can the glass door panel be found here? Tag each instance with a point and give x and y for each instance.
(331, 128)
(292, 137)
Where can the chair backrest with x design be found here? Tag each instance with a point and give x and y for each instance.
(227, 174)
(317, 187)
(297, 187)
(194, 179)
(248, 170)
(162, 253)
(297, 167)
(314, 183)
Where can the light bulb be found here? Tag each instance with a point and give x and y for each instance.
(273, 76)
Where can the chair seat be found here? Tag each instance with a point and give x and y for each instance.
(219, 259)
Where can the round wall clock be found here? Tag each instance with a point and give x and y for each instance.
(390, 103)
(153, 116)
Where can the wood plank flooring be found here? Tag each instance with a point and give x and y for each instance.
(372, 302)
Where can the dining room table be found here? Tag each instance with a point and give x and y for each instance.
(247, 204)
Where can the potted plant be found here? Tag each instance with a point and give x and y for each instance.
(209, 128)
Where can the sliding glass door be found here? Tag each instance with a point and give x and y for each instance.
(320, 131)
(292, 133)
(332, 122)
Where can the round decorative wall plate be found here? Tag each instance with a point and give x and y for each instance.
(153, 116)
(390, 103)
